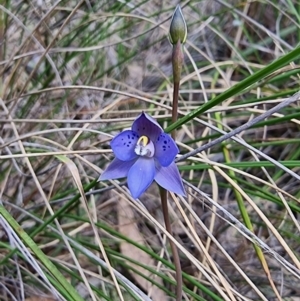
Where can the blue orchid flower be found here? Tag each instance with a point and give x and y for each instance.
(144, 154)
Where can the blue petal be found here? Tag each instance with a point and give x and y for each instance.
(140, 176)
(169, 178)
(116, 169)
(146, 125)
(165, 149)
(123, 145)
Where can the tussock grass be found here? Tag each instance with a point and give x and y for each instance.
(74, 74)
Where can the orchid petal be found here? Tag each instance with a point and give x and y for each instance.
(141, 175)
(123, 145)
(169, 178)
(145, 125)
(116, 169)
(165, 149)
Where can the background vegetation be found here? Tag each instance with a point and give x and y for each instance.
(75, 73)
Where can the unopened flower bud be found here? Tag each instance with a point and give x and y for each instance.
(178, 29)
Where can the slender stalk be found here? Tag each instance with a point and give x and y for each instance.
(177, 60)
(176, 259)
(178, 33)
(175, 107)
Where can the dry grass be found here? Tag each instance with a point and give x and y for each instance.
(75, 73)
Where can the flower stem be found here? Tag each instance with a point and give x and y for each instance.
(176, 259)
(177, 60)
(175, 107)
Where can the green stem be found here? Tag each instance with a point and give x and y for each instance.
(176, 259)
(177, 60)
(175, 107)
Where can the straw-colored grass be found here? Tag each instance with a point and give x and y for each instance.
(76, 73)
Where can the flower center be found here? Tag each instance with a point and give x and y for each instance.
(144, 147)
